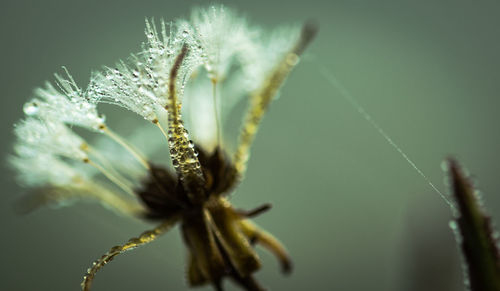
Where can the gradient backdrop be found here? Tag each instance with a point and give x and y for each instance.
(351, 210)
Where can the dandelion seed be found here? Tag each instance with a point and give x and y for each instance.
(184, 72)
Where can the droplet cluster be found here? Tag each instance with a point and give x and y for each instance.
(184, 156)
(67, 104)
(141, 83)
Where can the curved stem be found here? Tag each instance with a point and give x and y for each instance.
(115, 179)
(145, 238)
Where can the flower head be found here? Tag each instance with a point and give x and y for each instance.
(188, 76)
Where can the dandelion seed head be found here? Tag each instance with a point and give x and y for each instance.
(193, 70)
(32, 169)
(140, 83)
(50, 137)
(223, 48)
(225, 56)
(223, 37)
(68, 104)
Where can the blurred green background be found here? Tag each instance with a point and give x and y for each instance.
(352, 212)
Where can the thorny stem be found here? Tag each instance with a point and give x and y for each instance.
(476, 239)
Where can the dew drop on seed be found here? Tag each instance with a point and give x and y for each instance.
(135, 75)
(30, 108)
(101, 118)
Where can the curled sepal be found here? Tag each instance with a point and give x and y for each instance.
(218, 248)
(144, 238)
(182, 152)
(258, 236)
(474, 234)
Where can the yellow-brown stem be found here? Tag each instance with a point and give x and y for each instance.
(182, 151)
(144, 238)
(263, 96)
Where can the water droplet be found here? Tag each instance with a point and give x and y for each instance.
(292, 59)
(146, 109)
(101, 118)
(135, 75)
(31, 108)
